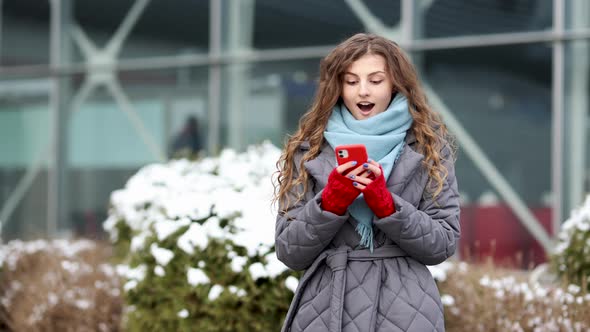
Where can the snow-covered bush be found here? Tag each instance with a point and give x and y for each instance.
(571, 259)
(196, 241)
(486, 298)
(58, 285)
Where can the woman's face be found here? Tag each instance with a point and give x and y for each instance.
(367, 89)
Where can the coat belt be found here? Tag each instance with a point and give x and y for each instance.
(337, 259)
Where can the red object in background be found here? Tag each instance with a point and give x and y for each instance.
(494, 231)
(544, 215)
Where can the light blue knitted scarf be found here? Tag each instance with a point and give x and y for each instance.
(383, 135)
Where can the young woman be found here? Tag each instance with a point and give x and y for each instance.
(365, 233)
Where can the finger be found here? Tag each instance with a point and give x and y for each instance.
(372, 168)
(342, 168)
(358, 185)
(366, 174)
(363, 180)
(358, 170)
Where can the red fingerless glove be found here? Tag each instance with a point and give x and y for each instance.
(378, 198)
(338, 194)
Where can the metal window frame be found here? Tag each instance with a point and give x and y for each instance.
(557, 110)
(284, 54)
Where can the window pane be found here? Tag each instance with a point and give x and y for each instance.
(576, 124)
(577, 14)
(450, 18)
(24, 32)
(24, 124)
(308, 23)
(117, 131)
(276, 95)
(502, 98)
(162, 28)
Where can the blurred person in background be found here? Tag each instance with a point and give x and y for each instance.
(187, 143)
(365, 233)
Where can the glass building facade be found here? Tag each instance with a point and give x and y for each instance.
(90, 91)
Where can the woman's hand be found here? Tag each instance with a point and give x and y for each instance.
(339, 192)
(370, 180)
(365, 174)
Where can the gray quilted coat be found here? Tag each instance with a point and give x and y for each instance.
(348, 288)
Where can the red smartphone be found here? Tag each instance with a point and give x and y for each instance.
(350, 152)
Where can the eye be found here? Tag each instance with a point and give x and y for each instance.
(351, 82)
(377, 82)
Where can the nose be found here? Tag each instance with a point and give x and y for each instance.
(363, 89)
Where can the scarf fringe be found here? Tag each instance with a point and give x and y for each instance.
(366, 233)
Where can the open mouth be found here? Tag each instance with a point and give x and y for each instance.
(365, 107)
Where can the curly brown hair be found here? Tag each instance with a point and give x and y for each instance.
(431, 134)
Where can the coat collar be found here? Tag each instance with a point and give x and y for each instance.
(409, 161)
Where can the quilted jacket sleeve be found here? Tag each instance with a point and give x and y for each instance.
(302, 232)
(429, 233)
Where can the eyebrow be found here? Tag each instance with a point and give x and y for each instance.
(373, 73)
